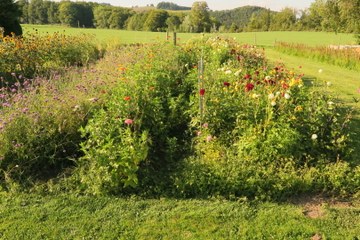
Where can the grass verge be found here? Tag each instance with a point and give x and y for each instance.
(79, 217)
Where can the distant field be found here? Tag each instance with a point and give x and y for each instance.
(257, 38)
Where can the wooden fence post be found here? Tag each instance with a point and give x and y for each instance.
(174, 36)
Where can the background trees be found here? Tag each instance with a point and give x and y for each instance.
(9, 17)
(199, 17)
(322, 15)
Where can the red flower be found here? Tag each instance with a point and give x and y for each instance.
(226, 84)
(247, 76)
(202, 92)
(249, 87)
(128, 121)
(127, 98)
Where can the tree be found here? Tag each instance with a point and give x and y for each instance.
(68, 13)
(136, 21)
(38, 12)
(350, 13)
(9, 17)
(24, 7)
(284, 20)
(332, 21)
(53, 12)
(316, 15)
(173, 22)
(156, 21)
(260, 21)
(171, 6)
(76, 14)
(101, 16)
(199, 17)
(118, 17)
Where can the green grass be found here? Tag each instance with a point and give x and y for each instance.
(79, 217)
(257, 38)
(309, 38)
(109, 36)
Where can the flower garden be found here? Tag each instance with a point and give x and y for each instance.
(207, 118)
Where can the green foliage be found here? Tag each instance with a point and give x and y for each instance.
(199, 17)
(144, 120)
(76, 14)
(112, 154)
(171, 6)
(239, 16)
(156, 21)
(41, 54)
(111, 17)
(9, 18)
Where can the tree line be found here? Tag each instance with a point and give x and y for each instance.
(322, 15)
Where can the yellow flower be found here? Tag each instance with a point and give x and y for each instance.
(298, 108)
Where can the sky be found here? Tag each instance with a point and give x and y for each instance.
(275, 5)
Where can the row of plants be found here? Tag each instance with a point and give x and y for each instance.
(40, 54)
(229, 125)
(207, 118)
(340, 56)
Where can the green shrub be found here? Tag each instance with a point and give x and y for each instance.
(152, 97)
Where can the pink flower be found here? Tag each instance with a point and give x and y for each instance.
(358, 90)
(128, 121)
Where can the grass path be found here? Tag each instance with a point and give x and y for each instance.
(345, 84)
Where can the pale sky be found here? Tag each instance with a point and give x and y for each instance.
(276, 5)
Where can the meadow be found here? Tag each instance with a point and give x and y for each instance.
(207, 140)
(110, 36)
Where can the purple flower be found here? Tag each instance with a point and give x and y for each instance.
(6, 104)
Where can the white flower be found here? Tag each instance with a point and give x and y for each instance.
(320, 70)
(314, 136)
(237, 73)
(273, 103)
(330, 103)
(287, 96)
(267, 78)
(271, 96)
(255, 95)
(277, 93)
(228, 72)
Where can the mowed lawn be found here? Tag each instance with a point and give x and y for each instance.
(30, 216)
(110, 36)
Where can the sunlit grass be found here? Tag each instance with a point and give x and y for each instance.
(257, 38)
